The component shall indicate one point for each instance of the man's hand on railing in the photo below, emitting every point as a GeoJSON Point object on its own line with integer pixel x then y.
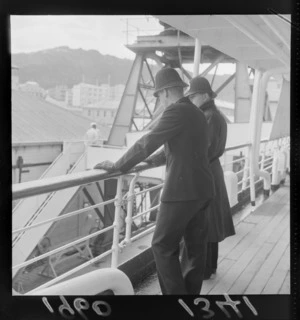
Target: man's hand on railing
{"type": "Point", "coordinates": [106, 165]}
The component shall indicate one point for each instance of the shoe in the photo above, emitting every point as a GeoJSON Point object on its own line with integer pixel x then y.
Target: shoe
{"type": "Point", "coordinates": [207, 275]}
{"type": "Point", "coordinates": [213, 273]}
{"type": "Point", "coordinates": [210, 274]}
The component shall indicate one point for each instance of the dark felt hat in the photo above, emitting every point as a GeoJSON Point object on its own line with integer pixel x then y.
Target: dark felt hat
{"type": "Point", "coordinates": [167, 78]}
{"type": "Point", "coordinates": [200, 85]}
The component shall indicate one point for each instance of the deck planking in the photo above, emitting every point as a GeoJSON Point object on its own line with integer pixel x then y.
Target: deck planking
{"type": "Point", "coordinates": [257, 259]}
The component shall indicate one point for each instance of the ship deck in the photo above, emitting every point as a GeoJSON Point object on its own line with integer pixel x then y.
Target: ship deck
{"type": "Point", "coordinates": [254, 261]}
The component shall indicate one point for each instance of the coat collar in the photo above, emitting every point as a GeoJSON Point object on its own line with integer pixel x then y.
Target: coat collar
{"type": "Point", "coordinates": [208, 105]}
{"type": "Point", "coordinates": [184, 99]}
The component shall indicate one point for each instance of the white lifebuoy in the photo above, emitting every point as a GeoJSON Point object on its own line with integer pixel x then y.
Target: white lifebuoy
{"type": "Point", "coordinates": [91, 283]}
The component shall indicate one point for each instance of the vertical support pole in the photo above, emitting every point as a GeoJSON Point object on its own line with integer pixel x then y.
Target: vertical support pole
{"type": "Point", "coordinates": [288, 154]}
{"type": "Point", "coordinates": [197, 57]}
{"type": "Point", "coordinates": [275, 173]}
{"type": "Point", "coordinates": [246, 170]}
{"type": "Point", "coordinates": [130, 203]}
{"type": "Point", "coordinates": [116, 236]}
{"type": "Point", "coordinates": [225, 161]}
{"type": "Point", "coordinates": [242, 93]}
{"type": "Point", "coordinates": [255, 139]}
{"type": "Point", "coordinates": [125, 114]}
{"type": "Point", "coordinates": [251, 178]}
{"type": "Point", "coordinates": [127, 31]}
{"type": "Point", "coordinates": [263, 156]}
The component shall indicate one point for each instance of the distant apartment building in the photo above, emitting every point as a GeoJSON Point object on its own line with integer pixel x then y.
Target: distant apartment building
{"type": "Point", "coordinates": [84, 94]}
{"type": "Point", "coordinates": [14, 77]}
{"type": "Point", "coordinates": [116, 92]}
{"type": "Point", "coordinates": [103, 112]}
{"type": "Point", "coordinates": [33, 88]}
{"type": "Point", "coordinates": [69, 98]}
{"type": "Point", "coordinates": [58, 92]}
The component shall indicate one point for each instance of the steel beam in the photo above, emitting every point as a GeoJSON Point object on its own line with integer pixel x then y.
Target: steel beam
{"type": "Point", "coordinates": [274, 27]}
{"type": "Point", "coordinates": [123, 119]}
{"type": "Point", "coordinates": [186, 73]}
{"type": "Point", "coordinates": [212, 65]}
{"type": "Point", "coordinates": [254, 32]}
{"type": "Point", "coordinates": [222, 86]}
{"type": "Point", "coordinates": [92, 202]}
{"type": "Point", "coordinates": [197, 57]}
{"type": "Point", "coordinates": [145, 102]}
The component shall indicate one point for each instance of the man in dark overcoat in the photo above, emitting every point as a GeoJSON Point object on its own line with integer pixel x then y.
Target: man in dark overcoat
{"type": "Point", "coordinates": [220, 217]}
{"type": "Point", "coordinates": [188, 187]}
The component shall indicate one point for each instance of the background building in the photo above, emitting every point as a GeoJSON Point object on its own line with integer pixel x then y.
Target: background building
{"type": "Point", "coordinates": [58, 93]}
{"type": "Point", "coordinates": [33, 88]}
{"type": "Point", "coordinates": [115, 93]}
{"type": "Point", "coordinates": [84, 94]}
{"type": "Point", "coordinates": [102, 112]}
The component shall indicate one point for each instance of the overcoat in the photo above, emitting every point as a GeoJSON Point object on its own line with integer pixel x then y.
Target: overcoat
{"type": "Point", "coordinates": [184, 132]}
{"type": "Point", "coordinates": [220, 217]}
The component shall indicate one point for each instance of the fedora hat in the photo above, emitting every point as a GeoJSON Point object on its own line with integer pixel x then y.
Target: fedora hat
{"type": "Point", "coordinates": [167, 78]}
{"type": "Point", "coordinates": [200, 85]}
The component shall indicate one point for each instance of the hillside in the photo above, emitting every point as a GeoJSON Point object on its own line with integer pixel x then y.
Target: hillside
{"type": "Point", "coordinates": [67, 66]}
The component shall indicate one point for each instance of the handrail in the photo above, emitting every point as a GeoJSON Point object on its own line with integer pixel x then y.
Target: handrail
{"type": "Point", "coordinates": [32, 188]}
{"type": "Point", "coordinates": [35, 143]}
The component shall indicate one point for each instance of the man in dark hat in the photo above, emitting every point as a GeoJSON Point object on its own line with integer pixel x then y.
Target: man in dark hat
{"type": "Point", "coordinates": [220, 218]}
{"type": "Point", "coordinates": [188, 186]}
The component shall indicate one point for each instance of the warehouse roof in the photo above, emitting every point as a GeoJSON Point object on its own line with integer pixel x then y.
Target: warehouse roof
{"type": "Point", "coordinates": [34, 119]}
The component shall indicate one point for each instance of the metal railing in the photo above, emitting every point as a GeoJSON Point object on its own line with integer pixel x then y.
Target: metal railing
{"type": "Point", "coordinates": [78, 179]}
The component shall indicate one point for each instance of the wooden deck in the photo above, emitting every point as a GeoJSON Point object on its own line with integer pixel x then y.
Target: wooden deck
{"type": "Point", "coordinates": [257, 259]}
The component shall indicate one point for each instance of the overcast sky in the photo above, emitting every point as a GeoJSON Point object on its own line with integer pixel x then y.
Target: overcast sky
{"type": "Point", "coordinates": [107, 34]}
{"type": "Point", "coordinates": [103, 33]}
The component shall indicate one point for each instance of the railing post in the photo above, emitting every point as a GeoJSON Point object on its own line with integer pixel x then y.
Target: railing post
{"type": "Point", "coordinates": [126, 30]}
{"type": "Point", "coordinates": [225, 161]}
{"type": "Point", "coordinates": [263, 157]}
{"type": "Point", "coordinates": [251, 178]}
{"type": "Point", "coordinates": [287, 150]}
{"type": "Point", "coordinates": [275, 173]}
{"type": "Point", "coordinates": [116, 236]}
{"type": "Point", "coordinates": [130, 201]}
{"type": "Point", "coordinates": [246, 170]}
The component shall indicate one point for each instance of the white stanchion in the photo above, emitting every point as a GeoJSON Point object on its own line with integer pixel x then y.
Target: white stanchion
{"type": "Point", "coordinates": [231, 182]}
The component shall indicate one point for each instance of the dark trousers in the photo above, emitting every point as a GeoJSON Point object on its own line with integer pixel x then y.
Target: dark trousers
{"type": "Point", "coordinates": [212, 256]}
{"type": "Point", "coordinates": [177, 220]}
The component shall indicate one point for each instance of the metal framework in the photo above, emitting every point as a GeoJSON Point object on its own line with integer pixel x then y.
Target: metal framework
{"type": "Point", "coordinates": [138, 109]}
